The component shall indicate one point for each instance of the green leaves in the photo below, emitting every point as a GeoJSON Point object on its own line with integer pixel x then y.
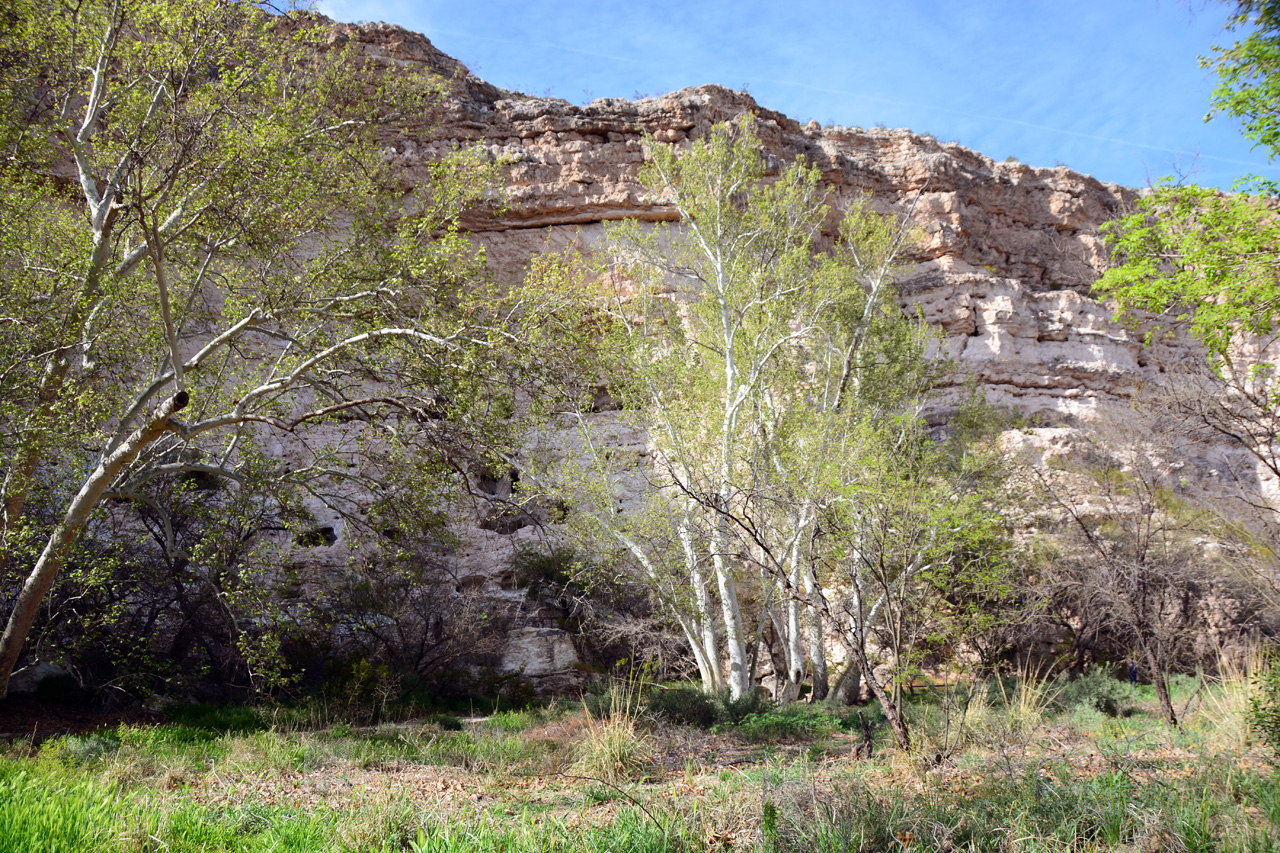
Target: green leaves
{"type": "Point", "coordinates": [234, 234]}
{"type": "Point", "coordinates": [1198, 258]}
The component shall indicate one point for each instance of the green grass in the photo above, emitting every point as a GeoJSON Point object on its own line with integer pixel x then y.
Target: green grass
{"type": "Point", "coordinates": [45, 812]}
{"type": "Point", "coordinates": [1035, 770]}
{"type": "Point", "coordinates": [633, 831]}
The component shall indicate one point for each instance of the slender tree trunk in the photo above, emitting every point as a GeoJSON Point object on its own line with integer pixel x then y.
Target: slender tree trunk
{"type": "Point", "coordinates": [817, 644]}
{"type": "Point", "coordinates": [795, 638]}
{"type": "Point", "coordinates": [1161, 684]}
{"type": "Point", "coordinates": [64, 536]}
{"type": "Point", "coordinates": [896, 721]}
{"type": "Point", "coordinates": [733, 635]}
{"type": "Point", "coordinates": [706, 615]}
{"type": "Point", "coordinates": [787, 688]}
{"type": "Point", "coordinates": [706, 668]}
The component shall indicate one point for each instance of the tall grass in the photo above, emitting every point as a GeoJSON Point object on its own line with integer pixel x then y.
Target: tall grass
{"type": "Point", "coordinates": [1227, 702]}
{"type": "Point", "coordinates": [633, 831]}
{"type": "Point", "coordinates": [613, 748]}
{"type": "Point", "coordinates": [39, 813]}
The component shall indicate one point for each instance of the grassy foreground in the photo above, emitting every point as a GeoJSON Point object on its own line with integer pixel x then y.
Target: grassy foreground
{"type": "Point", "coordinates": [1026, 767]}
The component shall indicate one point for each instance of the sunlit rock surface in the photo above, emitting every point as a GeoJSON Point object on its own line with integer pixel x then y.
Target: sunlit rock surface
{"type": "Point", "coordinates": [1004, 268]}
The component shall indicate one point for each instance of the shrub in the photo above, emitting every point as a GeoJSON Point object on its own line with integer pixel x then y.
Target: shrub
{"type": "Point", "coordinates": [1264, 703]}
{"type": "Point", "coordinates": [686, 706]}
{"type": "Point", "coordinates": [734, 711]}
{"type": "Point", "coordinates": [793, 721]}
{"type": "Point", "coordinates": [448, 723]}
{"type": "Point", "coordinates": [1095, 690]}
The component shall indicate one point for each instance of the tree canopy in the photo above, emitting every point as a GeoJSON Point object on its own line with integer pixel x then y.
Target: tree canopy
{"type": "Point", "coordinates": [202, 246]}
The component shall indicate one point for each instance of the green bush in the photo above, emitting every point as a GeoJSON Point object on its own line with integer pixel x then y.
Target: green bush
{"type": "Point", "coordinates": [753, 715]}
{"type": "Point", "coordinates": [792, 721]}
{"type": "Point", "coordinates": [1264, 703]}
{"type": "Point", "coordinates": [686, 706]}
{"type": "Point", "coordinates": [691, 706]}
{"type": "Point", "coordinates": [1097, 691]}
{"type": "Point", "coordinates": [734, 711]}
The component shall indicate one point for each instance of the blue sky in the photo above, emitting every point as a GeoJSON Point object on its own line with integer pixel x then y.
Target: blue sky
{"type": "Point", "coordinates": [1109, 87]}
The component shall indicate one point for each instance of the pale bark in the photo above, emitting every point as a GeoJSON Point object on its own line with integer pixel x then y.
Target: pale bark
{"type": "Point", "coordinates": [817, 642]}
{"type": "Point", "coordinates": [732, 613]}
{"type": "Point", "coordinates": [794, 640]}
{"type": "Point", "coordinates": [712, 680]}
{"type": "Point", "coordinates": [65, 535]}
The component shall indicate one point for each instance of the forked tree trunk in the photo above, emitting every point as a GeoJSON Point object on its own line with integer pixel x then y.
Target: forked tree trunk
{"type": "Point", "coordinates": [896, 721]}
{"type": "Point", "coordinates": [64, 536]}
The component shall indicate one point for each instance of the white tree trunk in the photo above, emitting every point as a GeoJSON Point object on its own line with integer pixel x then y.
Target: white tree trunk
{"type": "Point", "coordinates": [38, 583]}
{"type": "Point", "coordinates": [712, 679]}
{"type": "Point", "coordinates": [794, 640]}
{"type": "Point", "coordinates": [817, 643]}
{"type": "Point", "coordinates": [732, 620]}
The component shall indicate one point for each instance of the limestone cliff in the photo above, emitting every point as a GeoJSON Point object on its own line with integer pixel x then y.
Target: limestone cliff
{"type": "Point", "coordinates": [1005, 269]}
{"type": "Point", "coordinates": [1009, 255]}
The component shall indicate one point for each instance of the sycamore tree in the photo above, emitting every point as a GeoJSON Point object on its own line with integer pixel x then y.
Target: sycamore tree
{"type": "Point", "coordinates": [718, 315]}
{"type": "Point", "coordinates": [749, 369]}
{"type": "Point", "coordinates": [699, 319]}
{"type": "Point", "coordinates": [204, 250]}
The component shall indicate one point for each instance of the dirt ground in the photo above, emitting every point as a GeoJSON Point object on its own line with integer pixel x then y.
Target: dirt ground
{"type": "Point", "coordinates": [25, 716]}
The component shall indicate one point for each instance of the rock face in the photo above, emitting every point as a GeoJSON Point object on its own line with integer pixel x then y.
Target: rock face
{"type": "Point", "coordinates": [1007, 261]}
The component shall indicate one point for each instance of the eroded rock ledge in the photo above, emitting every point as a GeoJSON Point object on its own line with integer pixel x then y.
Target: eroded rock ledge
{"type": "Point", "coordinates": [1009, 254]}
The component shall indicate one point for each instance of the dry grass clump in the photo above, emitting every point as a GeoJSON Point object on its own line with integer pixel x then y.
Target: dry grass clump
{"type": "Point", "coordinates": [613, 748]}
{"type": "Point", "coordinates": [1226, 704]}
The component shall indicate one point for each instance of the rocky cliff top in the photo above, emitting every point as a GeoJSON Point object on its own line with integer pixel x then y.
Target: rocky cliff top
{"type": "Point", "coordinates": [1009, 254]}
{"type": "Point", "coordinates": [576, 165]}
